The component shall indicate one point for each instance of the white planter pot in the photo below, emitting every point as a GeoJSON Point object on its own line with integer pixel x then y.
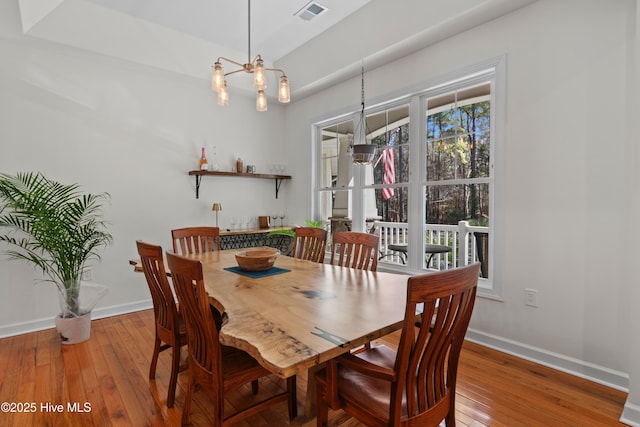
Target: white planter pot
{"type": "Point", "coordinates": [74, 330]}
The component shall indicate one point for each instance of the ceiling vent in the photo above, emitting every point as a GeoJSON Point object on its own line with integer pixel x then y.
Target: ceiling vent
{"type": "Point", "coordinates": [311, 11]}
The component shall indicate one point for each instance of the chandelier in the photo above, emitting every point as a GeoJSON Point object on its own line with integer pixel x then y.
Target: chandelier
{"type": "Point", "coordinates": [255, 67]}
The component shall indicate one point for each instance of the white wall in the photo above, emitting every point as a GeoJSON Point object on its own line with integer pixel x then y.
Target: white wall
{"type": "Point", "coordinates": [132, 131]}
{"type": "Point", "coordinates": [631, 412]}
{"type": "Point", "coordinates": [562, 184]}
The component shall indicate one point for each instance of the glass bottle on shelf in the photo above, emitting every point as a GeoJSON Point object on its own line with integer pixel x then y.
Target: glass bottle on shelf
{"type": "Point", "coordinates": [239, 165]}
{"type": "Point", "coordinates": [214, 160]}
{"type": "Point", "coordinates": [204, 165]}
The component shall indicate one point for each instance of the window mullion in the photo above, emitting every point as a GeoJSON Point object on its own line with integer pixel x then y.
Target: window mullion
{"type": "Point", "coordinates": [357, 223]}
{"type": "Point", "coordinates": [417, 166]}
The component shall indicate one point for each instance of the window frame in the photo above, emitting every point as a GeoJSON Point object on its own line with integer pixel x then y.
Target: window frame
{"type": "Point", "coordinates": [492, 70]}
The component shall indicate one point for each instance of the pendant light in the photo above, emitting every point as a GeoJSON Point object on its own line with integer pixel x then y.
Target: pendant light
{"type": "Point", "coordinates": [255, 67]}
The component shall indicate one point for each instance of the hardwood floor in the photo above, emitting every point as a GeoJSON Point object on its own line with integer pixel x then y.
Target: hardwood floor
{"type": "Point", "coordinates": [107, 378]}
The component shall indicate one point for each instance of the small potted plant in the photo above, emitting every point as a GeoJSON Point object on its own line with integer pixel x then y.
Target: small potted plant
{"type": "Point", "coordinates": [58, 229]}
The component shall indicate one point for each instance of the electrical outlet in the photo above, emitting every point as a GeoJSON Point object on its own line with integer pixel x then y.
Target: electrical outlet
{"type": "Point", "coordinates": [531, 297]}
{"type": "Point", "coordinates": [87, 275]}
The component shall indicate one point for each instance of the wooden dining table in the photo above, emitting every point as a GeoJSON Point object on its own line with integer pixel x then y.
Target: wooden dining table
{"type": "Point", "coordinates": [300, 318]}
{"type": "Point", "coordinates": [305, 316]}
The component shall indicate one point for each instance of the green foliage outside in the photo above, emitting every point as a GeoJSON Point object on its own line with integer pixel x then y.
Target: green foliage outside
{"type": "Point", "coordinates": [292, 233]}
{"type": "Point", "coordinates": [457, 148]}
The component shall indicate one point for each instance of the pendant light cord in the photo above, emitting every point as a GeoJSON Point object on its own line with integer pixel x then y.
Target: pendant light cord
{"type": "Point", "coordinates": [362, 91]}
{"type": "Point", "coordinates": [249, 31]}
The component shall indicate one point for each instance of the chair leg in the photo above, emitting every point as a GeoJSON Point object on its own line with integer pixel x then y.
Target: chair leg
{"type": "Point", "coordinates": [293, 401]}
{"type": "Point", "coordinates": [186, 407]}
{"type": "Point", "coordinates": [154, 358]}
{"type": "Point", "coordinates": [254, 386]}
{"type": "Point", "coordinates": [175, 368]}
{"type": "Point", "coordinates": [450, 420]}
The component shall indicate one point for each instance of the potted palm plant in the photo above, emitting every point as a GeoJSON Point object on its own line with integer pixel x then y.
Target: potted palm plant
{"type": "Point", "coordinates": [58, 229]}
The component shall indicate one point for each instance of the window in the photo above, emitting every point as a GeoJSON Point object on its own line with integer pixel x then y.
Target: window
{"type": "Point", "coordinates": [432, 176]}
{"type": "Point", "coordinates": [336, 179]}
{"type": "Point", "coordinates": [457, 173]}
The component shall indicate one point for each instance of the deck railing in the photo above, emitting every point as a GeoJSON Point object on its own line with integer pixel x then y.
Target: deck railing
{"type": "Point", "coordinates": [462, 239]}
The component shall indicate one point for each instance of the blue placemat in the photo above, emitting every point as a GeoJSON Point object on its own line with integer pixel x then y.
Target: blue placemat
{"type": "Point", "coordinates": [258, 274]}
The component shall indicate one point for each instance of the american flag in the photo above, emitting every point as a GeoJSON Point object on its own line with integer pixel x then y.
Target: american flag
{"type": "Point", "coordinates": [389, 168]}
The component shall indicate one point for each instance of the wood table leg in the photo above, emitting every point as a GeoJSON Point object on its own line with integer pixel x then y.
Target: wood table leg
{"type": "Point", "coordinates": [310, 398]}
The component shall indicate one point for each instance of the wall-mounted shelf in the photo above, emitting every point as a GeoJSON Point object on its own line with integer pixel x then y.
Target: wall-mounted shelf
{"type": "Point", "coordinates": [199, 174]}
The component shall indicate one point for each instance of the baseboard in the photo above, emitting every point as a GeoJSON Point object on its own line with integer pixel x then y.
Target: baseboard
{"type": "Point", "coordinates": [115, 310]}
{"type": "Point", "coordinates": [599, 374]}
{"type": "Point", "coordinates": [631, 414]}
{"type": "Point", "coordinates": [48, 323]}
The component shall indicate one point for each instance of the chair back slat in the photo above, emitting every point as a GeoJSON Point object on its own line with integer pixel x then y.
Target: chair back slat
{"type": "Point", "coordinates": [195, 240]}
{"type": "Point", "coordinates": [309, 243]}
{"type": "Point", "coordinates": [355, 250]}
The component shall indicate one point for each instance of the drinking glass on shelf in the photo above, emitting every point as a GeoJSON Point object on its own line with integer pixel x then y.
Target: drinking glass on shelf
{"type": "Point", "coordinates": [234, 221]}
{"type": "Point", "coordinates": [274, 216]}
{"type": "Point", "coordinates": [281, 215]}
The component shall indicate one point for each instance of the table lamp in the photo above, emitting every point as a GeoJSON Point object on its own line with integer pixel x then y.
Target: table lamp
{"type": "Point", "coordinates": [216, 207]}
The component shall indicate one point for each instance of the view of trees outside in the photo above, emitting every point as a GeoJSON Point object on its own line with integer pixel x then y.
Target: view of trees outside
{"type": "Point", "coordinates": [457, 153]}
{"type": "Point", "coordinates": [458, 149]}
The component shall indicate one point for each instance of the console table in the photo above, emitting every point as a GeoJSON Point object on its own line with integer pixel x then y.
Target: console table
{"type": "Point", "coordinates": [238, 239]}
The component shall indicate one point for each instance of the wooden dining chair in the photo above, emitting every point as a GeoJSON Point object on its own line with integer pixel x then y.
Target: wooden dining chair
{"type": "Point", "coordinates": [212, 366]}
{"type": "Point", "coordinates": [415, 386]}
{"type": "Point", "coordinates": [309, 243]}
{"type": "Point", "coordinates": [354, 249]}
{"type": "Point", "coordinates": [195, 240]}
{"type": "Point", "coordinates": [170, 328]}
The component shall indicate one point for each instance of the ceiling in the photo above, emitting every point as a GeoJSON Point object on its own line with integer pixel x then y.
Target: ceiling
{"type": "Point", "coordinates": [187, 36]}
{"type": "Point", "coordinates": [275, 30]}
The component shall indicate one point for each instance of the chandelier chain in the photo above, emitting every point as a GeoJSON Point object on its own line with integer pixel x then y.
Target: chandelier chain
{"type": "Point", "coordinates": [248, 31]}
